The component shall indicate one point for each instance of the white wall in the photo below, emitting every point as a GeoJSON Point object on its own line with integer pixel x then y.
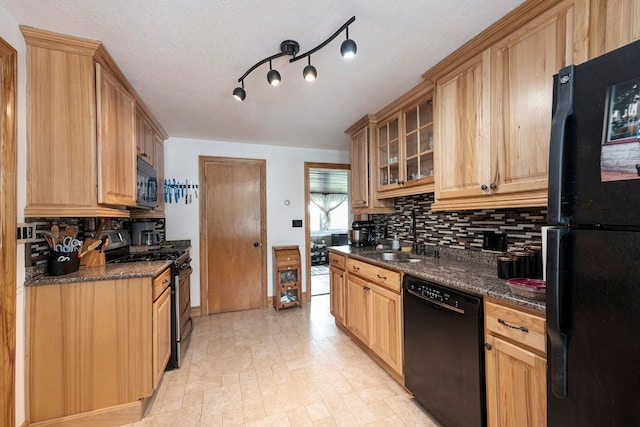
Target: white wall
{"type": "Point", "coordinates": [10, 32]}
{"type": "Point", "coordinates": [285, 181]}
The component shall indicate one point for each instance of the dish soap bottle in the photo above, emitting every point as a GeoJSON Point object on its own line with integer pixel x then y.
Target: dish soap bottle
{"type": "Point", "coordinates": [396, 243]}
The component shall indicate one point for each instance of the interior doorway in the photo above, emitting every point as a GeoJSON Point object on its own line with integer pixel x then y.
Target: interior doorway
{"type": "Point", "coordinates": [327, 219]}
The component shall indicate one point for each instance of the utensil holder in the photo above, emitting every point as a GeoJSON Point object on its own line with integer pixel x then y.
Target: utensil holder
{"type": "Point", "coordinates": [61, 263]}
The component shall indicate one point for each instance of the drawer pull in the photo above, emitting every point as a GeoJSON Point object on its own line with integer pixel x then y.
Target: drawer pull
{"type": "Point", "coordinates": [356, 268]}
{"type": "Point", "coordinates": [381, 277]}
{"type": "Point", "coordinates": [366, 288]}
{"type": "Point", "coordinates": [521, 328]}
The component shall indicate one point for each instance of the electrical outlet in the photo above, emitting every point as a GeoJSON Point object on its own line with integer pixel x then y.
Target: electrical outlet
{"type": "Point", "coordinates": [494, 241]}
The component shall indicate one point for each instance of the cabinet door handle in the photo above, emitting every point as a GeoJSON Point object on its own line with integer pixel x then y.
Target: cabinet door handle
{"type": "Point", "coordinates": [366, 288]}
{"type": "Point", "coordinates": [401, 182]}
{"type": "Point", "coordinates": [483, 187]}
{"type": "Point", "coordinates": [488, 346]}
{"type": "Point", "coordinates": [381, 277]}
{"type": "Point", "coordinates": [508, 325]}
{"type": "Point", "coordinates": [493, 186]}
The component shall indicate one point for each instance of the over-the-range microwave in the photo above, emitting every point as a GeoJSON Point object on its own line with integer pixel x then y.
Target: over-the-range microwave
{"type": "Point", "coordinates": [147, 194]}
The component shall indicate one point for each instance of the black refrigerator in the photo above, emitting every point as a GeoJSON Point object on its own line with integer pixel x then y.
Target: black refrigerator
{"type": "Point", "coordinates": [593, 253]}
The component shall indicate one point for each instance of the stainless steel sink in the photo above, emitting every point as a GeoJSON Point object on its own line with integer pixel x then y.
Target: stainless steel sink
{"type": "Point", "coordinates": [393, 256]}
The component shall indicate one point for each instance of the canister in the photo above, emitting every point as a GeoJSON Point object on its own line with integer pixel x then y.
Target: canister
{"type": "Point", "coordinates": [506, 266]}
{"type": "Point", "coordinates": [524, 263]}
{"type": "Point", "coordinates": [536, 265]}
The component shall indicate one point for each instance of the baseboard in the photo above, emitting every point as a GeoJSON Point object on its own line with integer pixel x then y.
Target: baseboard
{"type": "Point", "coordinates": [108, 417]}
{"type": "Point", "coordinates": [196, 311]}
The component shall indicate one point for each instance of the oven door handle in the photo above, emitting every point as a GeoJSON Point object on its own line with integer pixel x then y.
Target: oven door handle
{"type": "Point", "coordinates": [438, 303]}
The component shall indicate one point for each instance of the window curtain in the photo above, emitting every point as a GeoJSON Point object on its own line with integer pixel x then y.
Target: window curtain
{"type": "Point", "coordinates": [327, 203]}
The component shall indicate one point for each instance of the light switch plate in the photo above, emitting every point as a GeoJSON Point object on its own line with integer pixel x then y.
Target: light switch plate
{"type": "Point", "coordinates": [296, 223]}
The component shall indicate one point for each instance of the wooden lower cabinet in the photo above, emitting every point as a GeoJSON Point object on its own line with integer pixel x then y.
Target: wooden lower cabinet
{"type": "Point", "coordinates": [337, 293]}
{"type": "Point", "coordinates": [95, 350]}
{"type": "Point", "coordinates": [161, 335]}
{"type": "Point", "coordinates": [515, 363]}
{"type": "Point", "coordinates": [358, 308]}
{"type": "Point", "coordinates": [374, 317]}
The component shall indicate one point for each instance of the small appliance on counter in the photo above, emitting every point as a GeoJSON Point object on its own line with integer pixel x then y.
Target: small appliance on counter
{"type": "Point", "coordinates": [144, 233]}
{"type": "Point", "coordinates": [362, 233]}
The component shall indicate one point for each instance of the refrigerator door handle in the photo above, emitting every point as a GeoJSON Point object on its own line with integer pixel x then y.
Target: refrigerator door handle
{"type": "Point", "coordinates": [557, 327]}
{"type": "Point", "coordinates": [563, 111]}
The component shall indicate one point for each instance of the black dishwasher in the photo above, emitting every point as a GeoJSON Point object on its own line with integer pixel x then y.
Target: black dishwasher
{"type": "Point", "coordinates": [443, 352]}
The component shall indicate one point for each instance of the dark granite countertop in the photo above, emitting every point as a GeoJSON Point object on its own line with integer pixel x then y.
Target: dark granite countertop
{"type": "Point", "coordinates": [471, 275]}
{"type": "Point", "coordinates": [123, 270]}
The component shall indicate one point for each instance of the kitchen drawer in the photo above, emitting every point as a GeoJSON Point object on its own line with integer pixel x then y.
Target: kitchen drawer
{"type": "Point", "coordinates": [378, 275]}
{"type": "Point", "coordinates": [521, 327]}
{"type": "Point", "coordinates": [337, 260]}
{"type": "Point", "coordinates": [161, 282]}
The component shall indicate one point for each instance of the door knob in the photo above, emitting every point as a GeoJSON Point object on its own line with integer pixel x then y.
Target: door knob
{"type": "Point", "coordinates": [256, 244]}
{"type": "Point", "coordinates": [488, 346]}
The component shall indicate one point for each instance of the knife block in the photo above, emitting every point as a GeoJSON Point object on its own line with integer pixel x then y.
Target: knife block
{"type": "Point", "coordinates": [92, 258]}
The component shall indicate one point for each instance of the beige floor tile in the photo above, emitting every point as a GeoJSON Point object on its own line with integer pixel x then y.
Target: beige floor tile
{"type": "Point", "coordinates": [293, 368]}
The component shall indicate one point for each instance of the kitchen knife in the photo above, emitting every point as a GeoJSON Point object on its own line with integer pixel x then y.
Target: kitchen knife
{"type": "Point", "coordinates": [93, 244]}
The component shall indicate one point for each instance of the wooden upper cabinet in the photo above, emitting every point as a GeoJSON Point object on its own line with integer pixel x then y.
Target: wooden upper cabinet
{"type": "Point", "coordinates": [463, 138]}
{"type": "Point", "coordinates": [523, 65]}
{"type": "Point", "coordinates": [614, 23]}
{"type": "Point", "coordinates": [494, 117]}
{"type": "Point", "coordinates": [81, 129]}
{"type": "Point", "coordinates": [145, 140]}
{"type": "Point", "coordinates": [116, 141]}
{"type": "Point", "coordinates": [405, 144]}
{"type": "Point", "coordinates": [363, 163]}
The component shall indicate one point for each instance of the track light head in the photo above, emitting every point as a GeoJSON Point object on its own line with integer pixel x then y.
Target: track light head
{"type": "Point", "coordinates": [239, 94]}
{"type": "Point", "coordinates": [348, 49]}
{"type": "Point", "coordinates": [309, 73]}
{"type": "Point", "coordinates": [273, 77]}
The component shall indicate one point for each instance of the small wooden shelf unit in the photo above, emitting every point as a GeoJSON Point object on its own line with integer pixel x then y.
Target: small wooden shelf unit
{"type": "Point", "coordinates": [286, 277]}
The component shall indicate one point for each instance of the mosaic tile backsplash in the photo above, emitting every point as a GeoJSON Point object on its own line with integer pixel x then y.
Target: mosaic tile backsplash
{"type": "Point", "coordinates": [459, 229]}
{"type": "Point", "coordinates": [36, 252]}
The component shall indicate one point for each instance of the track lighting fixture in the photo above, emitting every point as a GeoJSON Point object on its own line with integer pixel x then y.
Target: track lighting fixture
{"type": "Point", "coordinates": [290, 47]}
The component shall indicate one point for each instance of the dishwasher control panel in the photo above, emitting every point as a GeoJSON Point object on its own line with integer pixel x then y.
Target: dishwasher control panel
{"type": "Point", "coordinates": [443, 296]}
{"type": "Point", "coordinates": [434, 293]}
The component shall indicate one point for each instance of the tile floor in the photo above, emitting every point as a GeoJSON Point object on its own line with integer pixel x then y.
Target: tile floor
{"type": "Point", "coordinates": [291, 368]}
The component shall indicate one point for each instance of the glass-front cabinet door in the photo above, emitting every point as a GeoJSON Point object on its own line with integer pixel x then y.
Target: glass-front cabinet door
{"type": "Point", "coordinates": [418, 158]}
{"type": "Point", "coordinates": [389, 154]}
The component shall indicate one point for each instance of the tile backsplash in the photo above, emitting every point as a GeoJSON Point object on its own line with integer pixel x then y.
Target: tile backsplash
{"type": "Point", "coordinates": [459, 229]}
{"type": "Point", "coordinates": [36, 252]}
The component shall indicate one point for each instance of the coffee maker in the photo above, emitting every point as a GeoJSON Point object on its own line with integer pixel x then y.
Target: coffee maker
{"type": "Point", "coordinates": [363, 233]}
{"type": "Point", "coordinates": [144, 233]}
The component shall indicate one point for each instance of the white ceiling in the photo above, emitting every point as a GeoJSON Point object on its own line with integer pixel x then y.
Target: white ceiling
{"type": "Point", "coordinates": [184, 58]}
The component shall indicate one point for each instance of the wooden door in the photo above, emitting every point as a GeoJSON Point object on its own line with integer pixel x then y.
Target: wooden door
{"type": "Point", "coordinates": [386, 326]}
{"type": "Point", "coordinates": [357, 308]}
{"type": "Point", "coordinates": [336, 293]}
{"type": "Point", "coordinates": [359, 165]}
{"type": "Point", "coordinates": [116, 141]}
{"type": "Point", "coordinates": [8, 245]}
{"type": "Point", "coordinates": [523, 64]}
{"type": "Point", "coordinates": [462, 155]}
{"type": "Point", "coordinates": [516, 385]}
{"type": "Point", "coordinates": [232, 234]}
